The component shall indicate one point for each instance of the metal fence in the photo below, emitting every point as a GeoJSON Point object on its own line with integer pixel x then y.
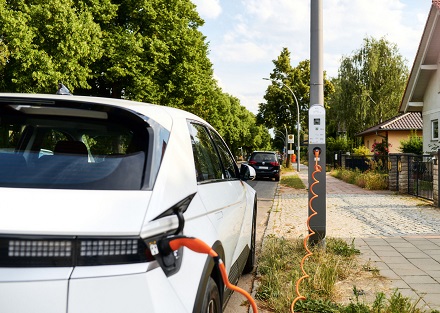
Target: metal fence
{"type": "Point", "coordinates": [417, 171]}
{"type": "Point", "coordinates": [367, 162]}
{"type": "Point", "coordinates": [420, 176]}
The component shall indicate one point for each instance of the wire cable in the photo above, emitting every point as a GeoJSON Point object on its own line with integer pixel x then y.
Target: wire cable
{"type": "Point", "coordinates": [317, 169]}
{"type": "Point", "coordinates": [199, 246]}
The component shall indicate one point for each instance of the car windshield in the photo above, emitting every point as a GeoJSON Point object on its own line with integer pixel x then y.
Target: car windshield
{"type": "Point", "coordinates": [71, 152]}
{"type": "Point", "coordinates": [264, 157]}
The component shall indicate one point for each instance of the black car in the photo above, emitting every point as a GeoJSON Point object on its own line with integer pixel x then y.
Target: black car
{"type": "Point", "coordinates": [265, 164]}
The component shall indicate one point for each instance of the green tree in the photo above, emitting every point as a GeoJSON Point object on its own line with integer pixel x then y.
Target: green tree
{"type": "Point", "coordinates": [237, 126]}
{"type": "Point", "coordinates": [368, 88]}
{"type": "Point", "coordinates": [44, 42]}
{"type": "Point", "coordinates": [154, 53]}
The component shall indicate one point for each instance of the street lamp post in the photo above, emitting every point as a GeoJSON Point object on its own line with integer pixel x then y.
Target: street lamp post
{"type": "Point", "coordinates": [298, 147]}
{"type": "Point", "coordinates": [284, 137]}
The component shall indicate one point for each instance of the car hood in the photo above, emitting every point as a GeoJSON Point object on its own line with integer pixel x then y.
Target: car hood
{"type": "Point", "coordinates": [72, 212]}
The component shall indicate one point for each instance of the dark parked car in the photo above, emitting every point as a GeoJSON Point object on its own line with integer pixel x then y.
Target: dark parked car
{"type": "Point", "coordinates": [265, 164]}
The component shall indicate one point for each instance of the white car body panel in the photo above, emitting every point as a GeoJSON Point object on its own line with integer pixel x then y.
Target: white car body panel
{"type": "Point", "coordinates": [72, 212]}
{"type": "Point", "coordinates": [178, 176]}
{"type": "Point", "coordinates": [225, 212]}
{"type": "Point", "coordinates": [112, 270]}
{"type": "Point", "coordinates": [34, 296]}
{"type": "Point", "coordinates": [14, 274]}
{"type": "Point", "coordinates": [247, 195]}
{"type": "Point", "coordinates": [186, 281]}
{"type": "Point", "coordinates": [141, 293]}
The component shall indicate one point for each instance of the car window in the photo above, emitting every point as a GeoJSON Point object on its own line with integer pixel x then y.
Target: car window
{"type": "Point", "coordinates": [206, 161]}
{"type": "Point", "coordinates": [226, 158]}
{"type": "Point", "coordinates": [57, 152]}
{"type": "Point", "coordinates": [264, 157]}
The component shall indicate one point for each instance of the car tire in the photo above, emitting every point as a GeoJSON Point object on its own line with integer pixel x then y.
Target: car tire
{"type": "Point", "coordinates": [277, 178]}
{"type": "Point", "coordinates": [211, 299]}
{"type": "Point", "coordinates": [250, 262]}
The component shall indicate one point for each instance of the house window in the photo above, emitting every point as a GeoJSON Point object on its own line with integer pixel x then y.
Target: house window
{"type": "Point", "coordinates": [434, 130]}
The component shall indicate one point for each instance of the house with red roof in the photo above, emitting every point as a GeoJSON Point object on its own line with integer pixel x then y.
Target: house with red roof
{"type": "Point", "coordinates": [422, 93]}
{"type": "Point", "coordinates": [393, 131]}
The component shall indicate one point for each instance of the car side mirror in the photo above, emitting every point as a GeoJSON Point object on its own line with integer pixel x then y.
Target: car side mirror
{"type": "Point", "coordinates": [247, 172]}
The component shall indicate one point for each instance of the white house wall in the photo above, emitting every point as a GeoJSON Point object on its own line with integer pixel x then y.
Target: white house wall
{"type": "Point", "coordinates": [431, 111]}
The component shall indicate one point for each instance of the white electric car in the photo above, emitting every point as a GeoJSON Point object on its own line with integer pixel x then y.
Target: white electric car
{"type": "Point", "coordinates": [90, 188]}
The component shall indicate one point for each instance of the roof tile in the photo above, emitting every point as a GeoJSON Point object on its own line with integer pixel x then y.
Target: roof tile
{"type": "Point", "coordinates": [405, 121]}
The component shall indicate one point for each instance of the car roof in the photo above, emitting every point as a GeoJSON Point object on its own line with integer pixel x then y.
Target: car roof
{"type": "Point", "coordinates": [160, 114]}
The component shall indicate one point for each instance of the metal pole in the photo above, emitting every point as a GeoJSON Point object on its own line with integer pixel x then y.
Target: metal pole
{"type": "Point", "coordinates": [297, 125]}
{"type": "Point", "coordinates": [287, 149]}
{"type": "Point", "coordinates": [318, 222]}
{"type": "Point", "coordinates": [316, 54]}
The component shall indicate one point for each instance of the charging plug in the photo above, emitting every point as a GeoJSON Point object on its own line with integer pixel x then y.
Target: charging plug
{"type": "Point", "coordinates": [168, 258]}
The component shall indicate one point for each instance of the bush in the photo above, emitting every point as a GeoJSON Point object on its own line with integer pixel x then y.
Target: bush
{"type": "Point", "coordinates": [369, 180]}
{"type": "Point", "coordinates": [361, 180]}
{"type": "Point", "coordinates": [362, 150]}
{"type": "Point", "coordinates": [376, 181]}
{"type": "Point", "coordinates": [414, 144]}
{"type": "Point", "coordinates": [380, 148]}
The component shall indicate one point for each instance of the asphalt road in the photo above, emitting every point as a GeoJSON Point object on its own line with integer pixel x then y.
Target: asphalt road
{"type": "Point", "coordinates": [265, 194]}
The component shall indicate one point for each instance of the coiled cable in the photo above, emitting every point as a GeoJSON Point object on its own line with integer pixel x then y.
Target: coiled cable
{"type": "Point", "coordinates": [317, 169]}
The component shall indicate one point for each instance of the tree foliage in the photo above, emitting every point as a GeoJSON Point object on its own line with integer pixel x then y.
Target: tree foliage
{"type": "Point", "coordinates": [341, 143]}
{"type": "Point", "coordinates": [44, 42]}
{"type": "Point", "coordinates": [144, 50]}
{"type": "Point", "coordinates": [368, 88]}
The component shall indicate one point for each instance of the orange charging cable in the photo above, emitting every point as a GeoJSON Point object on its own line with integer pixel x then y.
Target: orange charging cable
{"type": "Point", "coordinates": [318, 169]}
{"type": "Point", "coordinates": [199, 246]}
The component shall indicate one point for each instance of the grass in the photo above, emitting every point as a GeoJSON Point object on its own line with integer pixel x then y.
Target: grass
{"type": "Point", "coordinates": [279, 270]}
{"type": "Point", "coordinates": [291, 180]}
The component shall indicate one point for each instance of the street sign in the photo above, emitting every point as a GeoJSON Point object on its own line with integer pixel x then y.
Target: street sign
{"type": "Point", "coordinates": [290, 151]}
{"type": "Point", "coordinates": [290, 139]}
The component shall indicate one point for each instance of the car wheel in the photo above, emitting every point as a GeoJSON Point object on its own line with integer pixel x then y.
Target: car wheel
{"type": "Point", "coordinates": [250, 262]}
{"type": "Point", "coordinates": [211, 299]}
{"type": "Point", "coordinates": [277, 178]}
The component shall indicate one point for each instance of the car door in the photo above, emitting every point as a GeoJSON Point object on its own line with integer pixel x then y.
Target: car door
{"type": "Point", "coordinates": [218, 187]}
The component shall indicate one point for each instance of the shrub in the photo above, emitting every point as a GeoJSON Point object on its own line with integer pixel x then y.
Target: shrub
{"type": "Point", "coordinates": [361, 180]}
{"type": "Point", "coordinates": [348, 176]}
{"type": "Point", "coordinates": [369, 180]}
{"type": "Point", "coordinates": [376, 181]}
{"type": "Point", "coordinates": [362, 150]}
{"type": "Point", "coordinates": [414, 144]}
{"type": "Point", "coordinates": [380, 148]}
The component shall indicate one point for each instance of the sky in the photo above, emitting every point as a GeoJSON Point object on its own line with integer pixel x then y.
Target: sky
{"type": "Point", "coordinates": [245, 36]}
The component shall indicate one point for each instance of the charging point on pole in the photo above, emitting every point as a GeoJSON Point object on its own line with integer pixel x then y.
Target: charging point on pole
{"type": "Point", "coordinates": [317, 145]}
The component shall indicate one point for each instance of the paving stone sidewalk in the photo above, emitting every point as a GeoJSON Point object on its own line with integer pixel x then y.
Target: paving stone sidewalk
{"type": "Point", "coordinates": [400, 234]}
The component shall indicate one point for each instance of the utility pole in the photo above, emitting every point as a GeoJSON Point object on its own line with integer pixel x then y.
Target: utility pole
{"type": "Point", "coordinates": [317, 127]}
